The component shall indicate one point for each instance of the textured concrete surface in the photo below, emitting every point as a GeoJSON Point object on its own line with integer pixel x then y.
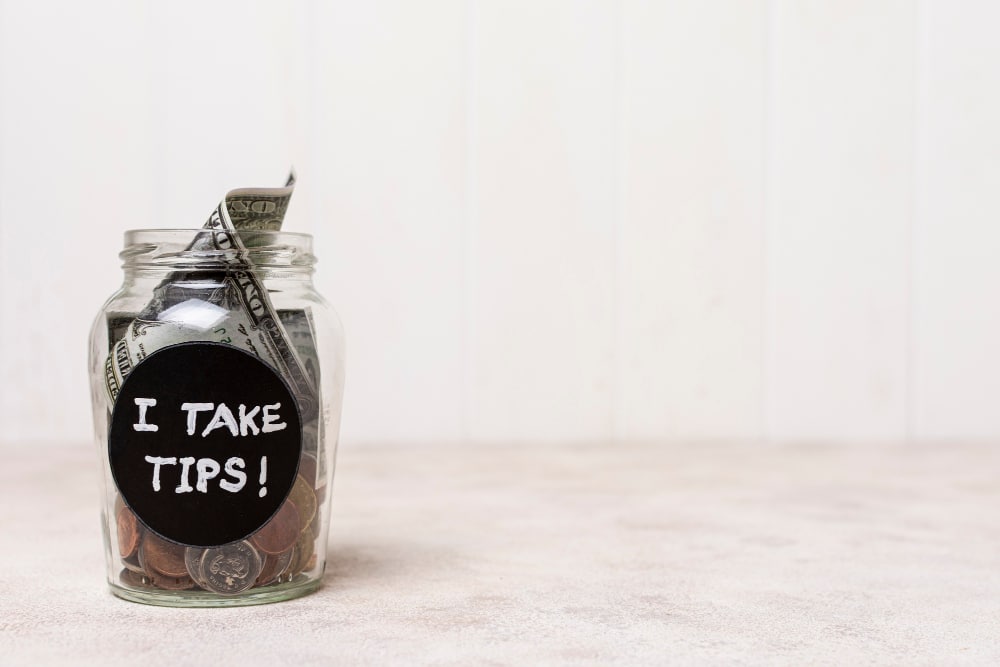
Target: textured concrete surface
{"type": "Point", "coordinates": [603, 555]}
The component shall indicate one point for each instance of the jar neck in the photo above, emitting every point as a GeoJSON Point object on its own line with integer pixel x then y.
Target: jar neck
{"type": "Point", "coordinates": [187, 274]}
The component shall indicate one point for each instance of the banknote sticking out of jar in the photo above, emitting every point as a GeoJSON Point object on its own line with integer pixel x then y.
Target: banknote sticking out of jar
{"type": "Point", "coordinates": [217, 377]}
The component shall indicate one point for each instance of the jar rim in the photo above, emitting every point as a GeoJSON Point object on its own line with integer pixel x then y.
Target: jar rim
{"type": "Point", "coordinates": [171, 231]}
{"type": "Point", "coordinates": [197, 248]}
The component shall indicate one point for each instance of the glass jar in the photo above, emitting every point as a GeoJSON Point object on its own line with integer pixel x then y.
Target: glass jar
{"type": "Point", "coordinates": [216, 377]}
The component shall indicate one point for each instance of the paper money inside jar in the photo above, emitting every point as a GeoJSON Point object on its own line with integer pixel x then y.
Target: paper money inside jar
{"type": "Point", "coordinates": [216, 378]}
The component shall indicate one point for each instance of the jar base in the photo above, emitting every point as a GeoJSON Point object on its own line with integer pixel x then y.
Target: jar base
{"type": "Point", "coordinates": [161, 598]}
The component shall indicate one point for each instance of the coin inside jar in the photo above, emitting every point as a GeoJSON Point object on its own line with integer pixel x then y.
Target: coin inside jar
{"type": "Point", "coordinates": [192, 560]}
{"type": "Point", "coordinates": [307, 469]}
{"type": "Point", "coordinates": [231, 568]}
{"type": "Point", "coordinates": [304, 549]}
{"type": "Point", "coordinates": [315, 526]}
{"type": "Point", "coordinates": [172, 583]}
{"type": "Point", "coordinates": [311, 563]}
{"type": "Point", "coordinates": [274, 567]}
{"type": "Point", "coordinates": [279, 534]}
{"type": "Point", "coordinates": [305, 501]}
{"type": "Point", "coordinates": [128, 532]}
{"type": "Point", "coordinates": [132, 563]}
{"type": "Point", "coordinates": [156, 555]}
{"type": "Point", "coordinates": [134, 579]}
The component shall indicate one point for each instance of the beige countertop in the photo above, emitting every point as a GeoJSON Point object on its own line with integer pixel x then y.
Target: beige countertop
{"type": "Point", "coordinates": [698, 553]}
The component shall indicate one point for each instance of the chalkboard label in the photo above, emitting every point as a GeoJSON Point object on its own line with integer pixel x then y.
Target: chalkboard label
{"type": "Point", "coordinates": [204, 443]}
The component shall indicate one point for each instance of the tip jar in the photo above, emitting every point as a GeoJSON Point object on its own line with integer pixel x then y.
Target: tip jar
{"type": "Point", "coordinates": [216, 378]}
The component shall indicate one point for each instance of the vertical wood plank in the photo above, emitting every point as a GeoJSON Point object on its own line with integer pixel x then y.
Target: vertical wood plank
{"type": "Point", "coordinates": [956, 314]}
{"type": "Point", "coordinates": [541, 254]}
{"type": "Point", "coordinates": [690, 259]}
{"type": "Point", "coordinates": [839, 205]}
{"type": "Point", "coordinates": [390, 134]}
{"type": "Point", "coordinates": [75, 155]}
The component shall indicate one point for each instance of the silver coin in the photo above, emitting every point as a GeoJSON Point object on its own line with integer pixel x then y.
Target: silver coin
{"type": "Point", "coordinates": [274, 567]}
{"type": "Point", "coordinates": [192, 560]}
{"type": "Point", "coordinates": [231, 568]}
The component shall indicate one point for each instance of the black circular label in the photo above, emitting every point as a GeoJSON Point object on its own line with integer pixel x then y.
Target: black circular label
{"type": "Point", "coordinates": [204, 443]}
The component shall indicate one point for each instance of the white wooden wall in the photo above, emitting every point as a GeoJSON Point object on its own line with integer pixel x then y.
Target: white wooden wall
{"type": "Point", "coordinates": [541, 220]}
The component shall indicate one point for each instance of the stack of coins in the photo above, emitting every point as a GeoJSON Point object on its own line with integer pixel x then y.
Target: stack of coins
{"type": "Point", "coordinates": [279, 551]}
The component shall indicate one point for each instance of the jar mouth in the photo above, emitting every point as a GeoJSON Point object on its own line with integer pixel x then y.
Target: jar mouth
{"type": "Point", "coordinates": [191, 249]}
{"type": "Point", "coordinates": [164, 232]}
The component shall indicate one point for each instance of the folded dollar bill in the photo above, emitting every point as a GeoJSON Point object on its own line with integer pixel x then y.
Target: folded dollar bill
{"type": "Point", "coordinates": [235, 310]}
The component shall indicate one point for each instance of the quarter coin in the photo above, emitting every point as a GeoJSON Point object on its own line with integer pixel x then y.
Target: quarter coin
{"type": "Point", "coordinates": [231, 568]}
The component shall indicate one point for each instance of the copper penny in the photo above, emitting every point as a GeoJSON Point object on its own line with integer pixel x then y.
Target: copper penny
{"type": "Point", "coordinates": [307, 468]}
{"type": "Point", "coordinates": [128, 532]}
{"type": "Point", "coordinates": [279, 534]}
{"type": "Point", "coordinates": [289, 573]}
{"type": "Point", "coordinates": [305, 501]}
{"type": "Point", "coordinates": [169, 583]}
{"type": "Point", "coordinates": [315, 525]}
{"type": "Point", "coordinates": [304, 550]}
{"type": "Point", "coordinates": [132, 579]}
{"type": "Point", "coordinates": [158, 556]}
